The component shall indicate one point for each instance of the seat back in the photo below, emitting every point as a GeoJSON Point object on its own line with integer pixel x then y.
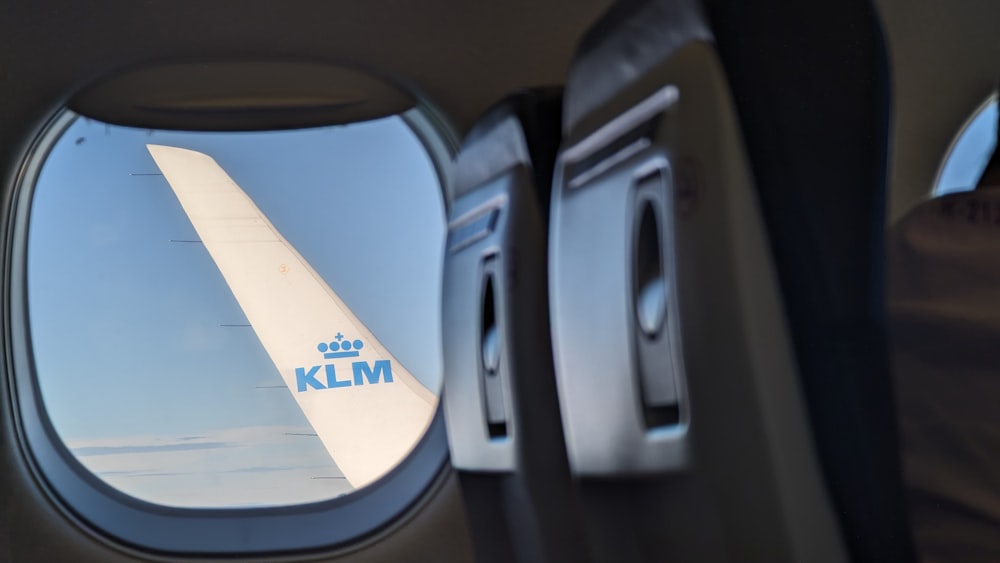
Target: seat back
{"type": "Point", "coordinates": [811, 84]}
{"type": "Point", "coordinates": [677, 377]}
{"type": "Point", "coordinates": [500, 402]}
{"type": "Point", "coordinates": [944, 315]}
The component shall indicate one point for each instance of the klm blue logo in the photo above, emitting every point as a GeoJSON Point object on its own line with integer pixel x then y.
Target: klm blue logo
{"type": "Point", "coordinates": [362, 373]}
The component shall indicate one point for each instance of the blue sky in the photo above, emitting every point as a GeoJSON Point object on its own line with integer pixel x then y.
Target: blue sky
{"type": "Point", "coordinates": [126, 324]}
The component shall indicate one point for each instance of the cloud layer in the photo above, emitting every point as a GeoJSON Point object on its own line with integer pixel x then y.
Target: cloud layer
{"type": "Point", "coordinates": [238, 467]}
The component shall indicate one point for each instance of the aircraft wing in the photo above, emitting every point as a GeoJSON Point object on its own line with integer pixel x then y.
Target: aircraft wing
{"type": "Point", "coordinates": [365, 407]}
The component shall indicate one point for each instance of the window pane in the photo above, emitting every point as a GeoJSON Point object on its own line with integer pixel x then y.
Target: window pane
{"type": "Point", "coordinates": [213, 314]}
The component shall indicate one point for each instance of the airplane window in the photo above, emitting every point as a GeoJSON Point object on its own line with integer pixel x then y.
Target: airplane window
{"type": "Point", "coordinates": [969, 152]}
{"type": "Point", "coordinates": [237, 319]}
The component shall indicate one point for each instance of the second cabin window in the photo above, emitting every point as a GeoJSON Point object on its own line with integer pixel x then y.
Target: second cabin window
{"type": "Point", "coordinates": [971, 150]}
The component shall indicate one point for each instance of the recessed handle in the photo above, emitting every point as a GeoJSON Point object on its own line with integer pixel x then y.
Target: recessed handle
{"type": "Point", "coordinates": [490, 346]}
{"type": "Point", "coordinates": [651, 286]}
{"type": "Point", "coordinates": [650, 289]}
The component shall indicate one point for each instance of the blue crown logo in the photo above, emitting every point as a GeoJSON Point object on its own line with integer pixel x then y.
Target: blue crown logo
{"type": "Point", "coordinates": [340, 347]}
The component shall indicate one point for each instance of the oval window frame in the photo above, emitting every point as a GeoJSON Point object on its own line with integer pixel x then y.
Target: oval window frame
{"type": "Point", "coordinates": [122, 519]}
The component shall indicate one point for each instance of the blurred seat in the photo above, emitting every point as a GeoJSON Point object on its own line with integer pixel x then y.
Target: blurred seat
{"type": "Point", "coordinates": [944, 310]}
{"type": "Point", "coordinates": [678, 379]}
{"type": "Point", "coordinates": [500, 402]}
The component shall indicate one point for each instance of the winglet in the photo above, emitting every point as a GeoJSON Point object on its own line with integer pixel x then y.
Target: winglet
{"type": "Point", "coordinates": [368, 410]}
